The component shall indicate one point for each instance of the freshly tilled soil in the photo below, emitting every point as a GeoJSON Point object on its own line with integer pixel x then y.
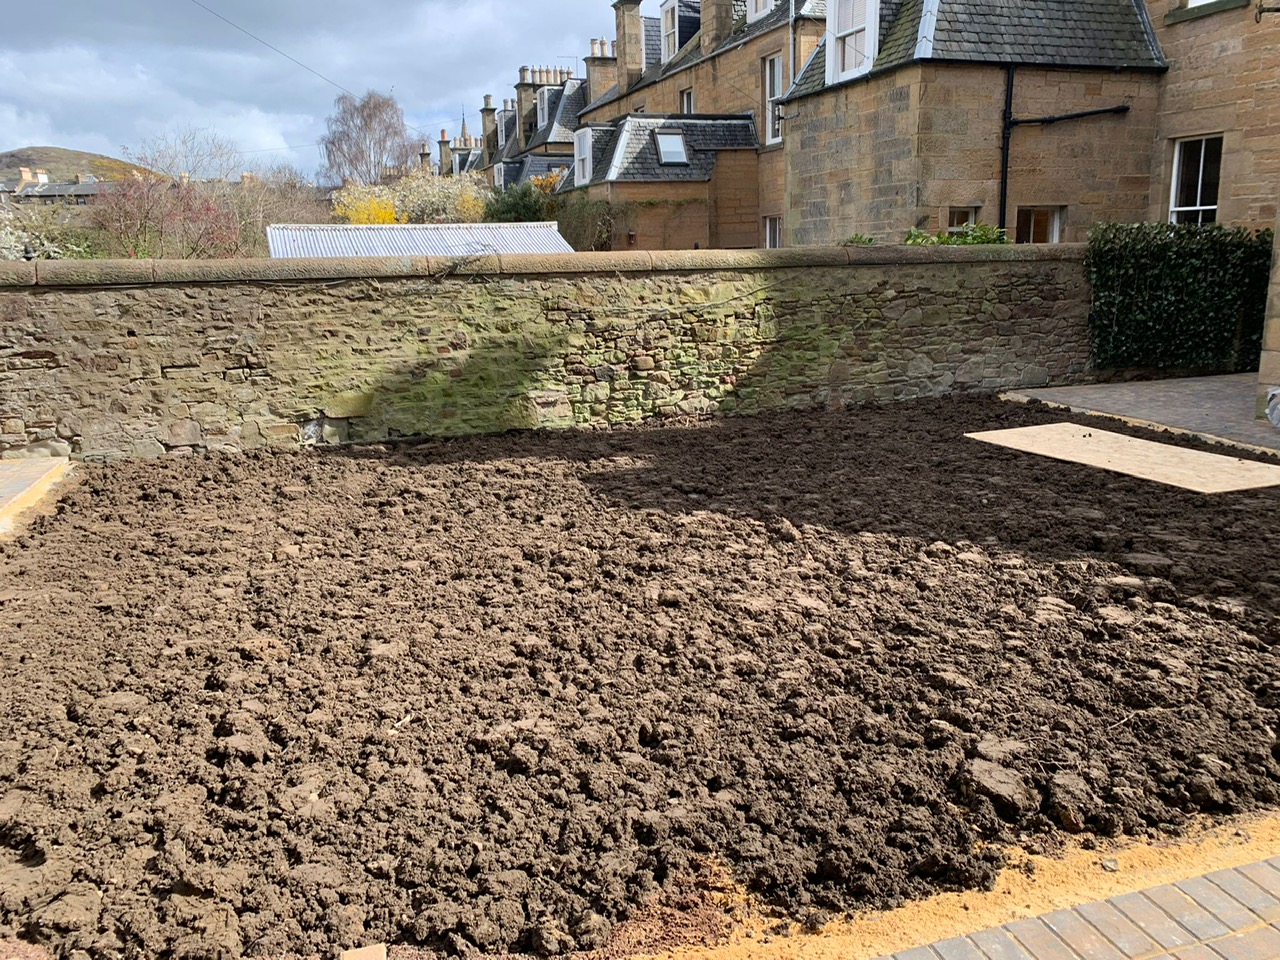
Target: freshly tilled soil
{"type": "Point", "coordinates": [497, 693]}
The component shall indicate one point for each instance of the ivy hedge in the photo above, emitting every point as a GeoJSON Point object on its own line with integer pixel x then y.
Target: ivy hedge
{"type": "Point", "coordinates": [1178, 296]}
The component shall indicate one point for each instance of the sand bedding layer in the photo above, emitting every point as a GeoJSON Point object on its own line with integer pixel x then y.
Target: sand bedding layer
{"type": "Point", "coordinates": [498, 693]}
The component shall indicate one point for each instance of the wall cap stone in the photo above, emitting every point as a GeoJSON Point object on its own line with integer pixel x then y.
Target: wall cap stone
{"type": "Point", "coordinates": [17, 273]}
{"type": "Point", "coordinates": [116, 273]}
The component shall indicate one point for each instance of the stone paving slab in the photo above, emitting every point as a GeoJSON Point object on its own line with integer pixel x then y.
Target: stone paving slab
{"type": "Point", "coordinates": [1216, 408]}
{"type": "Point", "coordinates": [1225, 915]}
{"type": "Point", "coordinates": [23, 483]}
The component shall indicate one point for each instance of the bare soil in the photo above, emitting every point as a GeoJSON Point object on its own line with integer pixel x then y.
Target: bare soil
{"type": "Point", "coordinates": [506, 693]}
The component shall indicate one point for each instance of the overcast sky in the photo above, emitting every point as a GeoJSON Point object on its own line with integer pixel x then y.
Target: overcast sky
{"type": "Point", "coordinates": [100, 75]}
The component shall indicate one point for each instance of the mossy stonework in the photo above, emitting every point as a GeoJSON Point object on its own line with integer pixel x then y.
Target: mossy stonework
{"type": "Point", "coordinates": [134, 360]}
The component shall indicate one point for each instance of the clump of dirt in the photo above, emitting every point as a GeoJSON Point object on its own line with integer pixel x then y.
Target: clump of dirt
{"type": "Point", "coordinates": [497, 694]}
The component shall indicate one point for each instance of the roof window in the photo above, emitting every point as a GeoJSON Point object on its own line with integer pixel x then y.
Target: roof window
{"type": "Point", "coordinates": [671, 149]}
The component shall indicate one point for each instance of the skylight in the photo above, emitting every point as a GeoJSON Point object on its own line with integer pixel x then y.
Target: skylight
{"type": "Point", "coordinates": [670, 146]}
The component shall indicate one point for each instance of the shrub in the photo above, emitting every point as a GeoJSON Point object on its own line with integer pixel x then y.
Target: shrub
{"type": "Point", "coordinates": [591, 224]}
{"type": "Point", "coordinates": [525, 203]}
{"type": "Point", "coordinates": [1182, 297]}
{"type": "Point", "coordinates": [859, 240]}
{"type": "Point", "coordinates": [969, 234]}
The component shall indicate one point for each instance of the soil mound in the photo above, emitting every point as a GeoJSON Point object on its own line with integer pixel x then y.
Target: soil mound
{"type": "Point", "coordinates": [495, 694]}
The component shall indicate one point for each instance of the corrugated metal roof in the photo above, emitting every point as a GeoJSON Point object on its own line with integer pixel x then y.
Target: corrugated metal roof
{"type": "Point", "coordinates": [413, 239]}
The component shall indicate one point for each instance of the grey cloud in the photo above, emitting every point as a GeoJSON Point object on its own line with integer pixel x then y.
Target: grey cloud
{"type": "Point", "coordinates": [104, 75]}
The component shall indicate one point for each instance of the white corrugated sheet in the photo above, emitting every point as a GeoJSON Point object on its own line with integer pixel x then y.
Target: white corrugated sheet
{"type": "Point", "coordinates": [413, 239]}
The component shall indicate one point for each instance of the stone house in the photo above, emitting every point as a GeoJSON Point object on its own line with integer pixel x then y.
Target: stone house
{"type": "Point", "coordinates": [1036, 117]}
{"type": "Point", "coordinates": [875, 116]}
{"type": "Point", "coordinates": [725, 62]}
{"type": "Point", "coordinates": [1216, 153]}
{"type": "Point", "coordinates": [675, 181]}
{"type": "Point", "coordinates": [1042, 118]}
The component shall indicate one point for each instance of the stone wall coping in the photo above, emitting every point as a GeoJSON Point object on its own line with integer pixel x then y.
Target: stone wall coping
{"type": "Point", "coordinates": [118, 273]}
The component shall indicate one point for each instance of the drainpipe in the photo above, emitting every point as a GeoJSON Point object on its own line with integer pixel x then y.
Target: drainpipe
{"type": "Point", "coordinates": [1010, 121]}
{"type": "Point", "coordinates": [791, 66]}
{"type": "Point", "coordinates": [1004, 145]}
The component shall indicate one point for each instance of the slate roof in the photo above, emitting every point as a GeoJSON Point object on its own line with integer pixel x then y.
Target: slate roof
{"type": "Point", "coordinates": [468, 159]}
{"type": "Point", "coordinates": [625, 150]}
{"type": "Point", "coordinates": [691, 52]}
{"type": "Point", "coordinates": [1110, 34]}
{"type": "Point", "coordinates": [313, 240]}
{"type": "Point", "coordinates": [652, 40]}
{"type": "Point", "coordinates": [516, 172]}
{"type": "Point", "coordinates": [90, 189]}
{"type": "Point", "coordinates": [564, 108]}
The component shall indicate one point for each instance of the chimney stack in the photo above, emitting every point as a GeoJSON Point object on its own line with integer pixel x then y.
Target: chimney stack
{"type": "Point", "coordinates": [526, 107]}
{"type": "Point", "coordinates": [489, 123]}
{"type": "Point", "coordinates": [717, 22]}
{"type": "Point", "coordinates": [424, 155]}
{"type": "Point", "coordinates": [446, 154]}
{"type": "Point", "coordinates": [602, 70]}
{"type": "Point", "coordinates": [630, 44]}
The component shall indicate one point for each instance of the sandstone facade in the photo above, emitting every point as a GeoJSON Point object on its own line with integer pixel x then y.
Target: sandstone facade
{"type": "Point", "coordinates": [1224, 78]}
{"type": "Point", "coordinates": [105, 360]}
{"type": "Point", "coordinates": [905, 148]}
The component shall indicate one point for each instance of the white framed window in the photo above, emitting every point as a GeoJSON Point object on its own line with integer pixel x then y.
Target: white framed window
{"type": "Point", "coordinates": [544, 105]}
{"type": "Point", "coordinates": [772, 85]}
{"type": "Point", "coordinates": [686, 101]}
{"type": "Point", "coordinates": [502, 130]}
{"type": "Point", "coordinates": [1197, 176]}
{"type": "Point", "coordinates": [499, 177]}
{"type": "Point", "coordinates": [758, 8]}
{"type": "Point", "coordinates": [582, 157]}
{"type": "Point", "coordinates": [1039, 225]}
{"type": "Point", "coordinates": [853, 28]}
{"type": "Point", "coordinates": [671, 148]}
{"type": "Point", "coordinates": [960, 217]}
{"type": "Point", "coordinates": [670, 30]}
{"type": "Point", "coordinates": [772, 233]}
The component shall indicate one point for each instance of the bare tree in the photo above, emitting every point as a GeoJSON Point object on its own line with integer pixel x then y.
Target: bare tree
{"type": "Point", "coordinates": [367, 139]}
{"type": "Point", "coordinates": [195, 153]}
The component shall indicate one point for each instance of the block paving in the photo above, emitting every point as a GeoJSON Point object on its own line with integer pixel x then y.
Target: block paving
{"type": "Point", "coordinates": [1226, 915]}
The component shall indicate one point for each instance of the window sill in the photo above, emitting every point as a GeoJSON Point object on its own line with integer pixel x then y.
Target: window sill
{"type": "Point", "coordinates": [771, 147]}
{"type": "Point", "coordinates": [1205, 10]}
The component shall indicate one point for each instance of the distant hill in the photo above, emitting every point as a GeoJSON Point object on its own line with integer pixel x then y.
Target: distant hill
{"type": "Point", "coordinates": [62, 165]}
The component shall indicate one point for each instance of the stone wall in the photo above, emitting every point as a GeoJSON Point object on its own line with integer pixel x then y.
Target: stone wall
{"type": "Point", "coordinates": [113, 359]}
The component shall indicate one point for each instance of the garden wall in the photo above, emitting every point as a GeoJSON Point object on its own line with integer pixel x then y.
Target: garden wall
{"type": "Point", "coordinates": [101, 360]}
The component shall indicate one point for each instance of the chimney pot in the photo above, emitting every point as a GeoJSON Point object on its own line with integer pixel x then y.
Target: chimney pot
{"type": "Point", "coordinates": [488, 101]}
{"type": "Point", "coordinates": [524, 74]}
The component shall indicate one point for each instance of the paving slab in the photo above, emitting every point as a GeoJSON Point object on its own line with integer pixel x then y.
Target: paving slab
{"type": "Point", "coordinates": [1224, 915]}
{"type": "Point", "coordinates": [1162, 462]}
{"type": "Point", "coordinates": [23, 483]}
{"type": "Point", "coordinates": [1221, 409]}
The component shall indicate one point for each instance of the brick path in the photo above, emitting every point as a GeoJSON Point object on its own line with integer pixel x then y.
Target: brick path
{"type": "Point", "coordinates": [1227, 915]}
{"type": "Point", "coordinates": [1221, 407]}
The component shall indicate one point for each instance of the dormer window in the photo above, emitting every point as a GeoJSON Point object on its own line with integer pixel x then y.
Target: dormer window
{"type": "Point", "coordinates": [758, 8]}
{"type": "Point", "coordinates": [582, 157]}
{"type": "Point", "coordinates": [544, 105]}
{"type": "Point", "coordinates": [502, 130]}
{"type": "Point", "coordinates": [853, 27]}
{"type": "Point", "coordinates": [670, 30]}
{"type": "Point", "coordinates": [671, 149]}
